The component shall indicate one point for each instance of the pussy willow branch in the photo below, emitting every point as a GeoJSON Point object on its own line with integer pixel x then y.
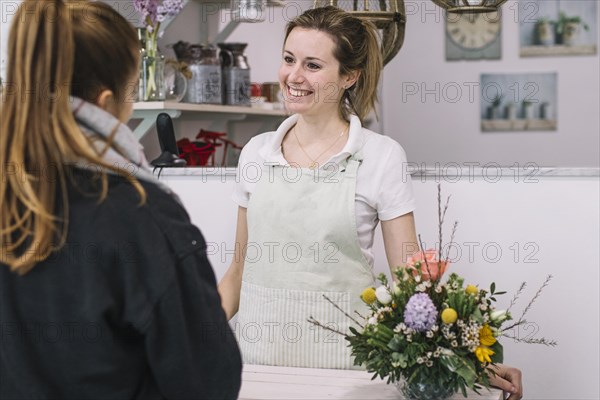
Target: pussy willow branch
{"type": "Point", "coordinates": [317, 323]}
{"type": "Point", "coordinates": [451, 240]}
{"type": "Point", "coordinates": [424, 256]}
{"type": "Point", "coordinates": [543, 341]}
{"type": "Point", "coordinates": [534, 298]}
{"type": "Point", "coordinates": [344, 312]}
{"type": "Point", "coordinates": [360, 315]}
{"type": "Point", "coordinates": [440, 220]}
{"type": "Point", "coordinates": [516, 296]}
{"type": "Point", "coordinates": [441, 217]}
{"type": "Point", "coordinates": [537, 294]}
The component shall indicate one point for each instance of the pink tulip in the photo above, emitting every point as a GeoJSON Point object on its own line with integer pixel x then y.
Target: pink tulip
{"type": "Point", "coordinates": [436, 267]}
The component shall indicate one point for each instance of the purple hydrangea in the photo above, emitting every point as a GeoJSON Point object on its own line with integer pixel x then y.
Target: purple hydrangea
{"type": "Point", "coordinates": [156, 11]}
{"type": "Point", "coordinates": [420, 313]}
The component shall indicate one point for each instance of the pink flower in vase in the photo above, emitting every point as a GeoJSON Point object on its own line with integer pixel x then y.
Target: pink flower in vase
{"type": "Point", "coordinates": [433, 265]}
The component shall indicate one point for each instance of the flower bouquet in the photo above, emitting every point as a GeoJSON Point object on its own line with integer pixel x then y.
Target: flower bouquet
{"type": "Point", "coordinates": [153, 13]}
{"type": "Point", "coordinates": [432, 338]}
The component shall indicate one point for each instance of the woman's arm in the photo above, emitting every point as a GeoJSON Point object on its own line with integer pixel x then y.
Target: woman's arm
{"type": "Point", "coordinates": [399, 239]}
{"type": "Point", "coordinates": [230, 285]}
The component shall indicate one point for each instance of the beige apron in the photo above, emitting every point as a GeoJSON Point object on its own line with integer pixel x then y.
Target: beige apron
{"type": "Point", "coordinates": [302, 243]}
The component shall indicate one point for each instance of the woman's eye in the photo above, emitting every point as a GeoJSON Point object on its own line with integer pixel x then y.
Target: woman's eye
{"type": "Point", "coordinates": [313, 66]}
{"type": "Point", "coordinates": [288, 59]}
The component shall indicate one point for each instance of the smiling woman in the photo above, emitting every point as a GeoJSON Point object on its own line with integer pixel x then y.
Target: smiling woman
{"type": "Point", "coordinates": [306, 226]}
{"type": "Point", "coordinates": [323, 188]}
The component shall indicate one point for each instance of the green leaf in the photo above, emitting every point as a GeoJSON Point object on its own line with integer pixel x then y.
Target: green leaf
{"type": "Point", "coordinates": [498, 356]}
{"type": "Point", "coordinates": [400, 358]}
{"type": "Point", "coordinates": [396, 343]}
{"type": "Point", "coordinates": [477, 315]}
{"type": "Point", "coordinates": [492, 287]}
{"type": "Point", "coordinates": [461, 367]}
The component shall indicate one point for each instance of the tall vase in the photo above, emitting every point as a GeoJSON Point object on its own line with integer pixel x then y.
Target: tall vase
{"type": "Point", "coordinates": [152, 87]}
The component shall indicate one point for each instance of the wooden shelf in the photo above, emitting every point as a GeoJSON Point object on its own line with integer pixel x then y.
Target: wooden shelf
{"type": "Point", "coordinates": [206, 108]}
{"type": "Point", "coordinates": [558, 50]}
{"type": "Point", "coordinates": [488, 125]}
{"type": "Point", "coordinates": [148, 111]}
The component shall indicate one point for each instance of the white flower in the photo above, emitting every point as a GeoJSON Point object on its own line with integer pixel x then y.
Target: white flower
{"type": "Point", "coordinates": [383, 295]}
{"type": "Point", "coordinates": [445, 352]}
{"type": "Point", "coordinates": [397, 290]}
{"type": "Point", "coordinates": [483, 307]}
{"type": "Point", "coordinates": [400, 327]}
{"type": "Point", "coordinates": [372, 321]}
{"type": "Point", "coordinates": [498, 315]}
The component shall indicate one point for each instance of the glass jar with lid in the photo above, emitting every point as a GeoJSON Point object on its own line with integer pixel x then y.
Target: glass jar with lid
{"type": "Point", "coordinates": [204, 87]}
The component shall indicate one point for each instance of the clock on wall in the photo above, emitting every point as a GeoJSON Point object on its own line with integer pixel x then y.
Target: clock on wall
{"type": "Point", "coordinates": [473, 36]}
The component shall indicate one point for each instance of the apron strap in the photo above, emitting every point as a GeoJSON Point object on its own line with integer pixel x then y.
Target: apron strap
{"type": "Point", "coordinates": [351, 164]}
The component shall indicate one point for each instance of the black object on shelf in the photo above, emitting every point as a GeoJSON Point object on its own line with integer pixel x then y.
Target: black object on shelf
{"type": "Point", "coordinates": [168, 145]}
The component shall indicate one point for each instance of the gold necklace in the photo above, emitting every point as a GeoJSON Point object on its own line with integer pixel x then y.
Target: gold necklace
{"type": "Point", "coordinates": [314, 164]}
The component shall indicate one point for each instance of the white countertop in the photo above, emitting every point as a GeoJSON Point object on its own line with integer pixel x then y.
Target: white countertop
{"type": "Point", "coordinates": [267, 382]}
{"type": "Point", "coordinates": [448, 173]}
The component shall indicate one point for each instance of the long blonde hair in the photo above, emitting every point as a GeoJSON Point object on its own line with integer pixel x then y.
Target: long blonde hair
{"type": "Point", "coordinates": [356, 49]}
{"type": "Point", "coordinates": [55, 49]}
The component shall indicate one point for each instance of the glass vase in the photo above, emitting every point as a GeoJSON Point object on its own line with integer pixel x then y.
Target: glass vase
{"type": "Point", "coordinates": [424, 389]}
{"type": "Point", "coordinates": [152, 85]}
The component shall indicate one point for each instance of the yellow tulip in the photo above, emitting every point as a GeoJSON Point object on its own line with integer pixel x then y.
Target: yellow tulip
{"type": "Point", "coordinates": [449, 316]}
{"type": "Point", "coordinates": [471, 289]}
{"type": "Point", "coordinates": [483, 353]}
{"type": "Point", "coordinates": [486, 336]}
{"type": "Point", "coordinates": [368, 295]}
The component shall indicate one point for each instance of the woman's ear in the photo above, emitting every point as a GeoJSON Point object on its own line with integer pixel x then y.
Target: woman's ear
{"type": "Point", "coordinates": [351, 79]}
{"type": "Point", "coordinates": [106, 101]}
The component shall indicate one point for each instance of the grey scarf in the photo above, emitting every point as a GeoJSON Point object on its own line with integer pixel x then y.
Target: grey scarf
{"type": "Point", "coordinates": [125, 153]}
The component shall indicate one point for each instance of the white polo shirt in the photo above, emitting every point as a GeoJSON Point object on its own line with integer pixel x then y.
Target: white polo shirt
{"type": "Point", "coordinates": [383, 184]}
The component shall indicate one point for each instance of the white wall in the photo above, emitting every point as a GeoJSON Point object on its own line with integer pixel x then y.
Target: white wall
{"type": "Point", "coordinates": [7, 10]}
{"type": "Point", "coordinates": [447, 132]}
{"type": "Point", "coordinates": [508, 232]}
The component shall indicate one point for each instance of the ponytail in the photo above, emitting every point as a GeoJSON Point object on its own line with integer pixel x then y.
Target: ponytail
{"type": "Point", "coordinates": [362, 96]}
{"type": "Point", "coordinates": [47, 47]}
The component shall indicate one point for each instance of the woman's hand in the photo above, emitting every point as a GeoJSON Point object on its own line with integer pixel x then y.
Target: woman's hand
{"type": "Point", "coordinates": [508, 379]}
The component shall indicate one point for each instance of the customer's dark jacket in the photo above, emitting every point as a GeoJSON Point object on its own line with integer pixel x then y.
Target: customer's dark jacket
{"type": "Point", "coordinates": [127, 309]}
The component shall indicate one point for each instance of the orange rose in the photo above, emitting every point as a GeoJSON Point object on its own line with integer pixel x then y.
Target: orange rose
{"type": "Point", "coordinates": [417, 262]}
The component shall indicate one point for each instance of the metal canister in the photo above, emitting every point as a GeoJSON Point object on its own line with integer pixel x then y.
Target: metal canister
{"type": "Point", "coordinates": [236, 84]}
{"type": "Point", "coordinates": [205, 85]}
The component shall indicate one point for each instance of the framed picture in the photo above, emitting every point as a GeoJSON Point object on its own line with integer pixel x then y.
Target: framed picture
{"type": "Point", "coordinates": [519, 102]}
{"type": "Point", "coordinates": [473, 36]}
{"type": "Point", "coordinates": [558, 27]}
